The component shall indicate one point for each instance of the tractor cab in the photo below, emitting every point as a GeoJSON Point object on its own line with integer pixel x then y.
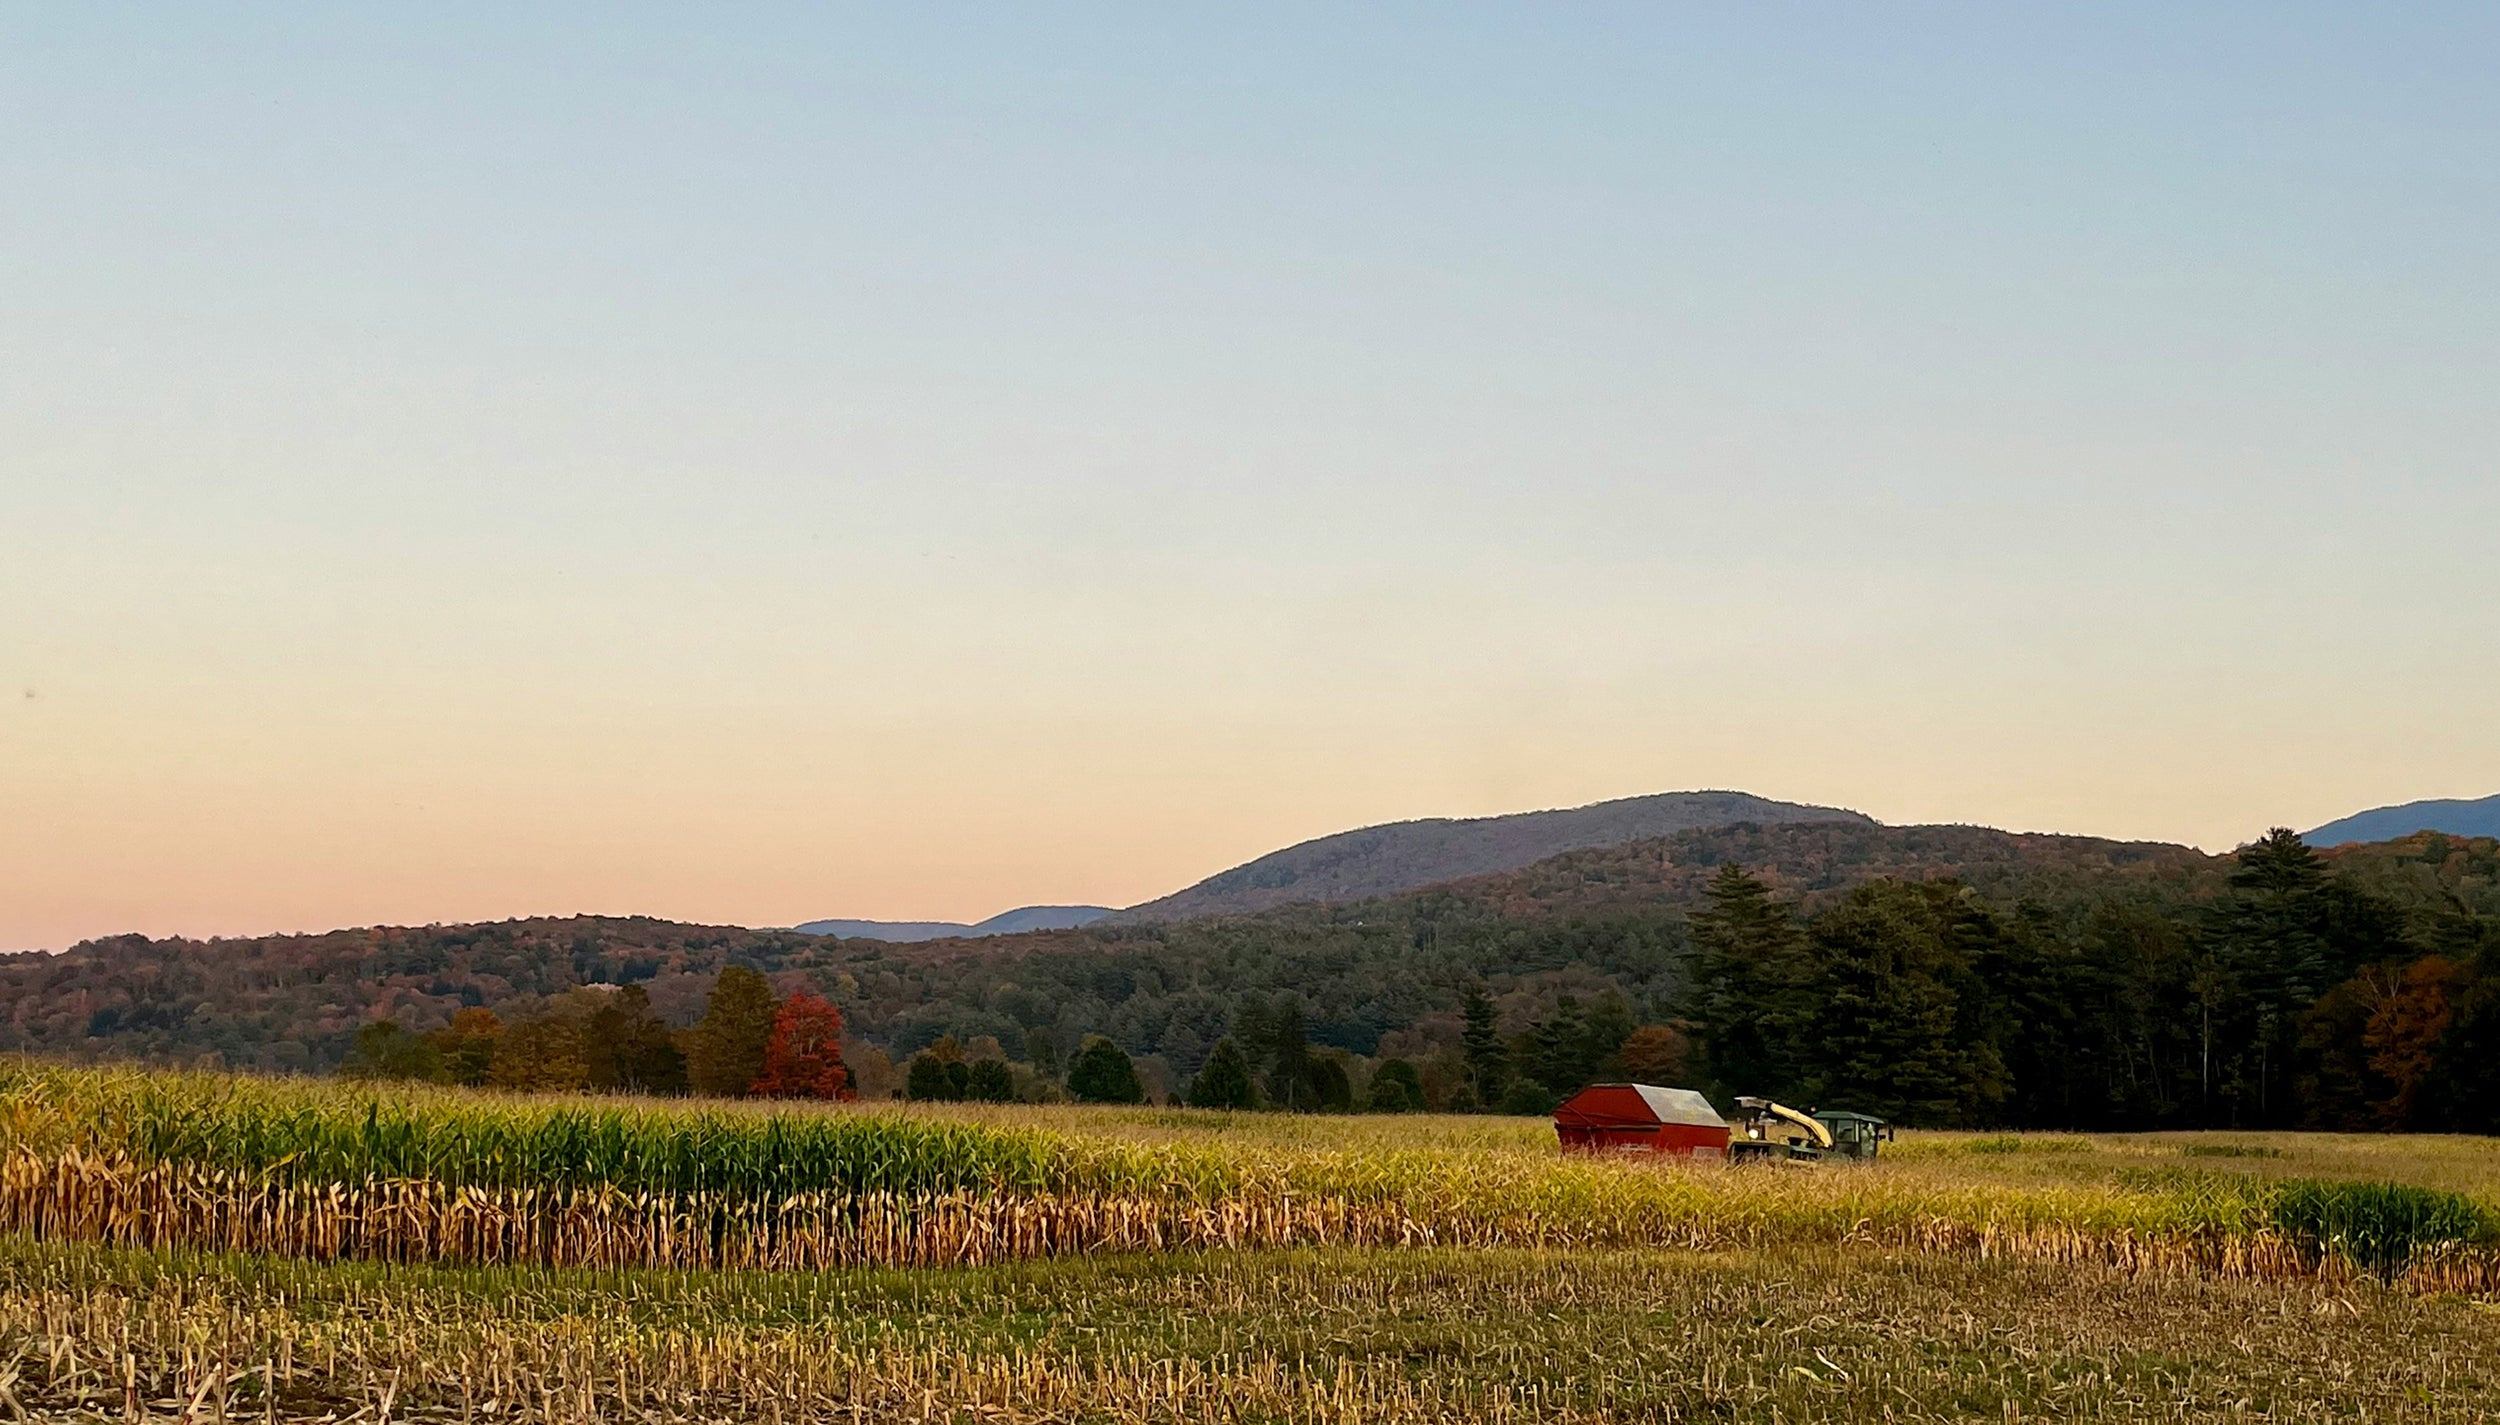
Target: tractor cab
{"type": "Point", "coordinates": [1854, 1135]}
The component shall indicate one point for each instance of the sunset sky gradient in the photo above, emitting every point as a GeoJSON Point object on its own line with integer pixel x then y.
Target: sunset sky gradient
{"type": "Point", "coordinates": [756, 464]}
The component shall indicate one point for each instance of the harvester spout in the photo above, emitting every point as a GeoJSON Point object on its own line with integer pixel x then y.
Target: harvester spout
{"type": "Point", "coordinates": [1821, 1135]}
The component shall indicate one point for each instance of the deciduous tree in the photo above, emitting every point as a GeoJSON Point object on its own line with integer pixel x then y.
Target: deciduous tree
{"type": "Point", "coordinates": [630, 1048]}
{"type": "Point", "coordinates": [386, 1051]}
{"type": "Point", "coordinates": [990, 1081]}
{"type": "Point", "coordinates": [1652, 1054]}
{"type": "Point", "coordinates": [725, 1051]}
{"type": "Point", "coordinates": [467, 1044]}
{"type": "Point", "coordinates": [803, 1059]}
{"type": "Point", "coordinates": [1396, 1088]}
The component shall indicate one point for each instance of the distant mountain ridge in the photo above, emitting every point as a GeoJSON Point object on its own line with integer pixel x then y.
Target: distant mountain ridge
{"type": "Point", "coordinates": [1402, 856]}
{"type": "Point", "coordinates": [2452, 816]}
{"type": "Point", "coordinates": [1006, 922]}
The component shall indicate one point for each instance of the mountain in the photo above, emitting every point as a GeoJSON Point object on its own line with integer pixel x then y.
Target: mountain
{"type": "Point", "coordinates": [2454, 816]}
{"type": "Point", "coordinates": [892, 932]}
{"type": "Point", "coordinates": [1006, 922]}
{"type": "Point", "coordinates": [1041, 917]}
{"type": "Point", "coordinates": [1400, 856]}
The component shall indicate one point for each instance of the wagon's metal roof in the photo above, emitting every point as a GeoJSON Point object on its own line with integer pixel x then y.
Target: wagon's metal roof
{"type": "Point", "coordinates": [1679, 1106]}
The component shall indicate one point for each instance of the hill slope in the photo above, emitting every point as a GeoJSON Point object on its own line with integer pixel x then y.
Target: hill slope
{"type": "Point", "coordinates": [1006, 922]}
{"type": "Point", "coordinates": [2454, 816]}
{"type": "Point", "coordinates": [1400, 856]}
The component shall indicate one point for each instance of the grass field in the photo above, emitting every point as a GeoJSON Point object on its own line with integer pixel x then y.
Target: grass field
{"type": "Point", "coordinates": [454, 1255]}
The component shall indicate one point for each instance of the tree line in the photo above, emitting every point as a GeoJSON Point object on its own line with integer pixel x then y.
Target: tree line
{"type": "Point", "coordinates": [1950, 975]}
{"type": "Point", "coordinates": [750, 1042]}
{"type": "Point", "coordinates": [2294, 995]}
{"type": "Point", "coordinates": [2287, 991]}
{"type": "Point", "coordinates": [1268, 1061]}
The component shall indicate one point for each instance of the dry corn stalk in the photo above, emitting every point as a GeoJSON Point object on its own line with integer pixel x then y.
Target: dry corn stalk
{"type": "Point", "coordinates": [117, 1200]}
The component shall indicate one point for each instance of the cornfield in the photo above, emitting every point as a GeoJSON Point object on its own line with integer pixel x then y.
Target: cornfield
{"type": "Point", "coordinates": [332, 1173]}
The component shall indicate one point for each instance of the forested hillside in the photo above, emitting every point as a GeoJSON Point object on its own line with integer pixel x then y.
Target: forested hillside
{"type": "Point", "coordinates": [1591, 920]}
{"type": "Point", "coordinates": [295, 1002]}
{"type": "Point", "coordinates": [1936, 974]}
{"type": "Point", "coordinates": [1402, 856]}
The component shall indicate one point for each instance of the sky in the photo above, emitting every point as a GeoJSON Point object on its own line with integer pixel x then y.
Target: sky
{"type": "Point", "coordinates": [750, 464]}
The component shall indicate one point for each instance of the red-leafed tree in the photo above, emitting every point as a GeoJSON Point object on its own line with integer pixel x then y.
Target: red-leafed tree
{"type": "Point", "coordinates": [804, 1058]}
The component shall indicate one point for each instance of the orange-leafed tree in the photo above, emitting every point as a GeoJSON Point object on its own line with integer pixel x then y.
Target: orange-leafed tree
{"type": "Point", "coordinates": [804, 1057]}
{"type": "Point", "coordinates": [1653, 1054]}
{"type": "Point", "coordinates": [2403, 1035]}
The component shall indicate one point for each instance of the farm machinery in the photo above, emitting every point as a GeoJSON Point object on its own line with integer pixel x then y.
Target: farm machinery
{"type": "Point", "coordinates": [1773, 1132]}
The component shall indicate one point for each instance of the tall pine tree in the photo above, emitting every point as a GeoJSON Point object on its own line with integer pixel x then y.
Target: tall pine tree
{"type": "Point", "coordinates": [1889, 1037]}
{"type": "Point", "coordinates": [1749, 986]}
{"type": "Point", "coordinates": [1488, 1059]}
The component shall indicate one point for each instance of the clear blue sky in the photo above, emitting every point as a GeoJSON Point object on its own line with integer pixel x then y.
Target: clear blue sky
{"type": "Point", "coordinates": [754, 464]}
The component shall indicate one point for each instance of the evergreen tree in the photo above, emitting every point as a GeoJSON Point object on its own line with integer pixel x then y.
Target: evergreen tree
{"type": "Point", "coordinates": [1887, 1038]}
{"type": "Point", "coordinates": [1610, 1021]}
{"type": "Point", "coordinates": [1558, 1056]}
{"type": "Point", "coordinates": [1749, 972]}
{"type": "Point", "coordinates": [1103, 1073]}
{"type": "Point", "coordinates": [725, 1051]}
{"type": "Point", "coordinates": [2269, 962]}
{"type": "Point", "coordinates": [1224, 1080]}
{"type": "Point", "coordinates": [1488, 1060]}
{"type": "Point", "coordinates": [1278, 1043]}
{"type": "Point", "coordinates": [1289, 1081]}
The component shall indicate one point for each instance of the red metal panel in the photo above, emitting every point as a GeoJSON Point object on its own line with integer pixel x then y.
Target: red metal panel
{"type": "Point", "coordinates": [1614, 1118]}
{"type": "Point", "coordinates": [1693, 1140]}
{"type": "Point", "coordinates": [1607, 1104]}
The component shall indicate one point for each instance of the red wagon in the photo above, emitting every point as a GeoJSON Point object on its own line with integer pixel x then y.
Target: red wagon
{"type": "Point", "coordinates": [1641, 1118]}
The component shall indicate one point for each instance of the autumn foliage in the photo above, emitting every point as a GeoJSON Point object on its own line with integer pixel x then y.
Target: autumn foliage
{"type": "Point", "coordinates": [804, 1057]}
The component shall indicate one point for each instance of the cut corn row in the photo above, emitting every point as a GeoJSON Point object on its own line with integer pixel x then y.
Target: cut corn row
{"type": "Point", "coordinates": [121, 1201]}
{"type": "Point", "coordinates": [219, 1359]}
